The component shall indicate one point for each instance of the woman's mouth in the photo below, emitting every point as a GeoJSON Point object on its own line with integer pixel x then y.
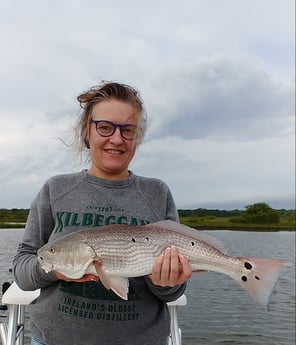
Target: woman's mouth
{"type": "Point", "coordinates": [114, 152]}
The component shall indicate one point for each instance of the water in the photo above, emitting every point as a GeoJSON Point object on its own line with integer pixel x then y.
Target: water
{"type": "Point", "coordinates": [219, 311]}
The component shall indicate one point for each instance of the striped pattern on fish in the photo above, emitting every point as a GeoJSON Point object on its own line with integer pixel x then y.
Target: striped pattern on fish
{"type": "Point", "coordinates": [129, 251]}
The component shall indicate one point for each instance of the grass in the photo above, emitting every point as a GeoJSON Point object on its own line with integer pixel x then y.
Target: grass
{"type": "Point", "coordinates": [231, 223]}
{"type": "Point", "coordinates": [11, 225]}
{"type": "Point", "coordinates": [212, 223]}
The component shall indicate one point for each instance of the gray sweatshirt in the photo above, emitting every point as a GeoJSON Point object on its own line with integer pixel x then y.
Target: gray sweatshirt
{"type": "Point", "coordinates": [86, 313]}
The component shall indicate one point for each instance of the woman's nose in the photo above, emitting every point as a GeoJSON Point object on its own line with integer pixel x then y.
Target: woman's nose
{"type": "Point", "coordinates": [116, 136]}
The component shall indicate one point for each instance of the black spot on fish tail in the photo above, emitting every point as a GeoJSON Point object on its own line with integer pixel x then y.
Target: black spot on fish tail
{"type": "Point", "coordinates": [244, 278]}
{"type": "Point", "coordinates": [256, 277]}
{"type": "Point", "coordinates": [192, 243]}
{"type": "Point", "coordinates": [147, 238]}
{"type": "Point", "coordinates": [248, 266]}
{"type": "Point", "coordinates": [134, 240]}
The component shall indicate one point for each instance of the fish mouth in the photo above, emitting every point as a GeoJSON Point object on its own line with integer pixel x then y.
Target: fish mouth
{"type": "Point", "coordinates": [45, 265]}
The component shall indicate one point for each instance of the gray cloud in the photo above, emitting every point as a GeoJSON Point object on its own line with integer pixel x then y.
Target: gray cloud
{"type": "Point", "coordinates": [217, 81]}
{"type": "Point", "coordinates": [223, 98]}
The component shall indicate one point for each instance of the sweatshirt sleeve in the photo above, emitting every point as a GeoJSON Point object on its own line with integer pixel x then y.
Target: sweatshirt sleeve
{"type": "Point", "coordinates": [27, 271]}
{"type": "Point", "coordinates": [166, 294]}
{"type": "Point", "coordinates": [171, 210]}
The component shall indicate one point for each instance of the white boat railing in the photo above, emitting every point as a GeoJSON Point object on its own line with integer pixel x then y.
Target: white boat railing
{"type": "Point", "coordinates": [12, 329]}
{"type": "Point", "coordinates": [175, 337]}
{"type": "Point", "coordinates": [12, 326]}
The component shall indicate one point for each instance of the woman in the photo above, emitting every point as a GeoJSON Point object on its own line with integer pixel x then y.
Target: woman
{"type": "Point", "coordinates": [83, 312]}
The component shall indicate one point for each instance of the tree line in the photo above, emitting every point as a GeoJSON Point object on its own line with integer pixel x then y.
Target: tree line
{"type": "Point", "coordinates": [259, 213]}
{"type": "Point", "coordinates": [13, 215]}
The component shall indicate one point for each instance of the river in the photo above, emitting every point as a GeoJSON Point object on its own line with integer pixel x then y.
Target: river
{"type": "Point", "coordinates": [219, 311]}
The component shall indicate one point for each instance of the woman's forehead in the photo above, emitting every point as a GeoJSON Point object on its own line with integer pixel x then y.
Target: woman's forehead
{"type": "Point", "coordinates": [114, 110]}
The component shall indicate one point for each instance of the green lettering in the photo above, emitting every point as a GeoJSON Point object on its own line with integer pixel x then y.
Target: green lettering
{"type": "Point", "coordinates": [110, 220]}
{"type": "Point", "coordinates": [59, 226]}
{"type": "Point", "coordinates": [74, 219]}
{"type": "Point", "coordinates": [67, 218]}
{"type": "Point", "coordinates": [87, 219]}
{"type": "Point", "coordinates": [122, 220]}
{"type": "Point", "coordinates": [98, 220]}
{"type": "Point", "coordinates": [134, 221]}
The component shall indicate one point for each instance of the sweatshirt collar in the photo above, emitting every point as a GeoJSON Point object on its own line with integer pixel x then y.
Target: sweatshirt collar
{"type": "Point", "coordinates": [107, 183]}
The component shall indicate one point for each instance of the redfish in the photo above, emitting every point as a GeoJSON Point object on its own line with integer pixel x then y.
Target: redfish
{"type": "Point", "coordinates": [126, 251]}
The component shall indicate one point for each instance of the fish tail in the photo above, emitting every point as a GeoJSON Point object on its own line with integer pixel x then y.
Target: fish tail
{"type": "Point", "coordinates": [259, 276]}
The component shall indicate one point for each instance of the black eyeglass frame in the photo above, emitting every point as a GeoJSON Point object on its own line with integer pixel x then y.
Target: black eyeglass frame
{"type": "Point", "coordinates": [114, 126]}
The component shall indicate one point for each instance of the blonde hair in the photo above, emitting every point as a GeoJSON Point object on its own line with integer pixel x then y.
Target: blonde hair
{"type": "Point", "coordinates": [105, 91]}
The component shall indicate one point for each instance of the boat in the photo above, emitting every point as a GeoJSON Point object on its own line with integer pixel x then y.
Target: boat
{"type": "Point", "coordinates": [15, 300]}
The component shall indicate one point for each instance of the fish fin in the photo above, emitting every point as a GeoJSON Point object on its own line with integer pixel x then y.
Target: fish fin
{"type": "Point", "coordinates": [188, 231]}
{"type": "Point", "coordinates": [118, 285]}
{"type": "Point", "coordinates": [91, 269]}
{"type": "Point", "coordinates": [259, 277]}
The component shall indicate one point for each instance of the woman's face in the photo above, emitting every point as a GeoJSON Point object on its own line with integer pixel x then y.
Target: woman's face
{"type": "Point", "coordinates": [111, 156]}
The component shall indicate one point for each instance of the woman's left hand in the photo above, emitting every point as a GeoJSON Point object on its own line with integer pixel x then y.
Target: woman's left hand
{"type": "Point", "coordinates": [170, 269]}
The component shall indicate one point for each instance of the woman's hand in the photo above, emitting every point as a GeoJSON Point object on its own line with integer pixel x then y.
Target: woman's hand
{"type": "Point", "coordinates": [170, 269]}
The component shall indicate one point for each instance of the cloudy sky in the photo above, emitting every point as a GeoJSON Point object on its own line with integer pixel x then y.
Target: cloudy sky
{"type": "Point", "coordinates": [217, 78]}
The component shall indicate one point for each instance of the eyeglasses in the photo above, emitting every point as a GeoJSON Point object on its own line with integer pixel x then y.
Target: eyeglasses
{"type": "Point", "coordinates": [107, 128]}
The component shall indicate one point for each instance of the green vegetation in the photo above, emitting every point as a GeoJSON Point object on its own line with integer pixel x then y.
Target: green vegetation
{"type": "Point", "coordinates": [13, 218]}
{"type": "Point", "coordinates": [258, 216]}
{"type": "Point", "coordinates": [260, 213]}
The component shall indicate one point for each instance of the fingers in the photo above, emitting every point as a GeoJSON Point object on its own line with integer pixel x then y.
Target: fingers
{"type": "Point", "coordinates": [89, 277]}
{"type": "Point", "coordinates": [186, 268]}
{"type": "Point", "coordinates": [170, 269]}
{"type": "Point", "coordinates": [174, 267]}
{"type": "Point", "coordinates": [155, 276]}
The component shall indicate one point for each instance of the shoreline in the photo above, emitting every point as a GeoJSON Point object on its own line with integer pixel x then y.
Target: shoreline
{"type": "Point", "coordinates": [208, 227]}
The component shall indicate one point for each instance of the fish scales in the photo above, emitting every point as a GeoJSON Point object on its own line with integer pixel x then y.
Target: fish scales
{"type": "Point", "coordinates": [140, 247]}
{"type": "Point", "coordinates": [129, 251]}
